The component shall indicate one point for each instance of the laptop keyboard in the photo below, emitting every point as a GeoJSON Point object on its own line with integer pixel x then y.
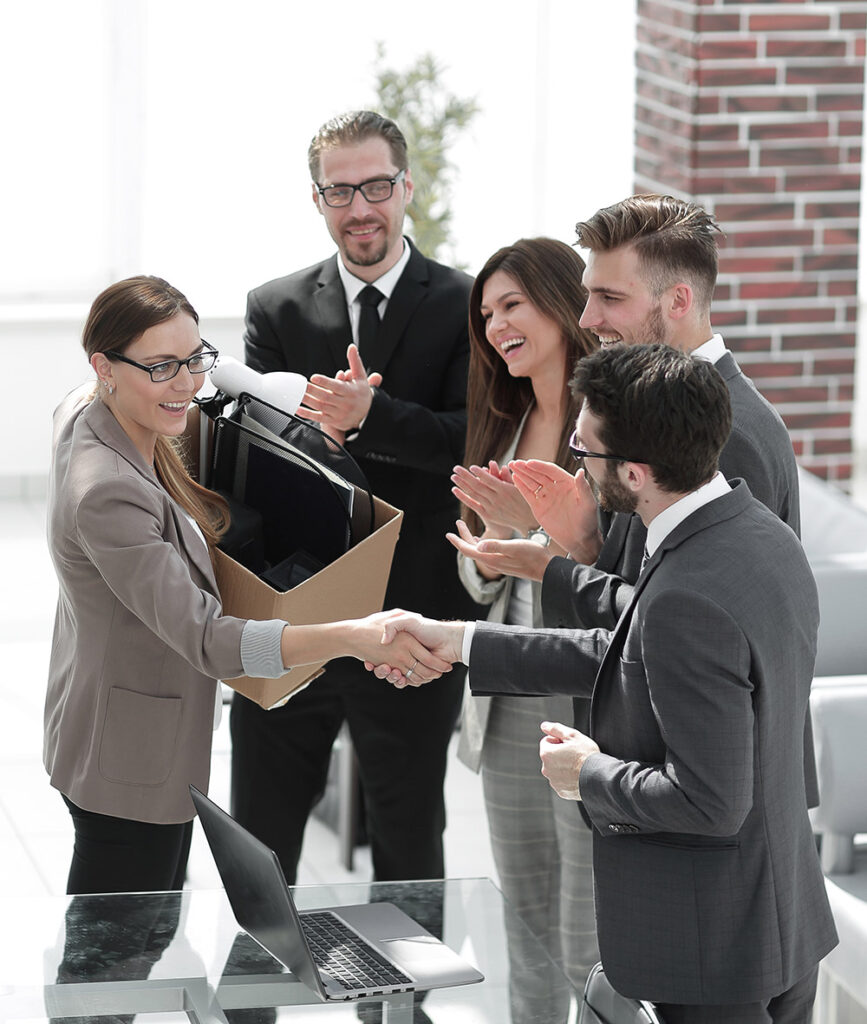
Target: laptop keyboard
{"type": "Point", "coordinates": [347, 958]}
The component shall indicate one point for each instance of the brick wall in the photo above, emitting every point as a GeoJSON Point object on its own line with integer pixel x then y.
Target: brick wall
{"type": "Point", "coordinates": [755, 111]}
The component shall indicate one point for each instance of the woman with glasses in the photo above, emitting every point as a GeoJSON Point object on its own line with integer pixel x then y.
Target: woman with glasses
{"type": "Point", "coordinates": [524, 341]}
{"type": "Point", "coordinates": [139, 638]}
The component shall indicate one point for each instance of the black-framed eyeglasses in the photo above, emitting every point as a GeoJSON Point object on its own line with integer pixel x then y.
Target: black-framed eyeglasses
{"type": "Point", "coordinates": [579, 453]}
{"type": "Point", "coordinates": [376, 191]}
{"type": "Point", "coordinates": [199, 362]}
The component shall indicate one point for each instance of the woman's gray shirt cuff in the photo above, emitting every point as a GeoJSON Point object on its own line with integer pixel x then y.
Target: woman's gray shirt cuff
{"type": "Point", "coordinates": [261, 655]}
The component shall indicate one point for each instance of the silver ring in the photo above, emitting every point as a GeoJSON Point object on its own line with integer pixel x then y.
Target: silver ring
{"type": "Point", "coordinates": [536, 492]}
{"type": "Point", "coordinates": [411, 668]}
{"type": "Point", "coordinates": [408, 673]}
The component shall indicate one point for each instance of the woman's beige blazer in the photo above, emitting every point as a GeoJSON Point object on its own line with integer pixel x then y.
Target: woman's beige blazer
{"type": "Point", "coordinates": [139, 638]}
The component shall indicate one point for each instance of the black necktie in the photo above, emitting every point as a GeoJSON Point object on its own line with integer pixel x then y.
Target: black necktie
{"type": "Point", "coordinates": [369, 299]}
{"type": "Point", "coordinates": [644, 558]}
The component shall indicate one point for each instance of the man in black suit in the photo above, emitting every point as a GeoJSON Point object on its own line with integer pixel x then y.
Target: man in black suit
{"type": "Point", "coordinates": [404, 421]}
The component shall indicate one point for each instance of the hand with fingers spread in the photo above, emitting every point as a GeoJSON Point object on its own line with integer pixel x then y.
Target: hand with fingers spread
{"type": "Point", "coordinates": [442, 642]}
{"type": "Point", "coordinates": [563, 751]}
{"type": "Point", "coordinates": [491, 494]}
{"type": "Point", "coordinates": [341, 403]}
{"type": "Point", "coordinates": [563, 504]}
{"type": "Point", "coordinates": [507, 557]}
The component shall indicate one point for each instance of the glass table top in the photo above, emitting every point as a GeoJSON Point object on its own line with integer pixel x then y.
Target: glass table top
{"type": "Point", "coordinates": [166, 957]}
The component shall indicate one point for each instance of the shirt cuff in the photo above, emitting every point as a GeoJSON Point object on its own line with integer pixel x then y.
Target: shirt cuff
{"type": "Point", "coordinates": [261, 654]}
{"type": "Point", "coordinates": [469, 633]}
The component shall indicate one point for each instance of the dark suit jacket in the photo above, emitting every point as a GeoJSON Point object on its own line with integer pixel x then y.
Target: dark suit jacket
{"type": "Point", "coordinates": [759, 451]}
{"type": "Point", "coordinates": [414, 433]}
{"type": "Point", "coordinates": [708, 885]}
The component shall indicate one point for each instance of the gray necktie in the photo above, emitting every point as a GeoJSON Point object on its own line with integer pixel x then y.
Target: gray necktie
{"type": "Point", "coordinates": [369, 299]}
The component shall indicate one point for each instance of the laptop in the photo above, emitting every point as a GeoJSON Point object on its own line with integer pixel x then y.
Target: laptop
{"type": "Point", "coordinates": [340, 953]}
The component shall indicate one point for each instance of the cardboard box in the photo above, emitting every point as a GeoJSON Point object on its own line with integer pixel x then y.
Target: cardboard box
{"type": "Point", "coordinates": [351, 587]}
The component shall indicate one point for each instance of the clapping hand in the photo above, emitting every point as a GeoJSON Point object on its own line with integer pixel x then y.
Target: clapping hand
{"type": "Point", "coordinates": [563, 504]}
{"type": "Point", "coordinates": [491, 494]}
{"type": "Point", "coordinates": [340, 404]}
{"type": "Point", "coordinates": [507, 557]}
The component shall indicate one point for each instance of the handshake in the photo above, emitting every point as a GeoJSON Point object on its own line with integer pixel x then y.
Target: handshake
{"type": "Point", "coordinates": [415, 650]}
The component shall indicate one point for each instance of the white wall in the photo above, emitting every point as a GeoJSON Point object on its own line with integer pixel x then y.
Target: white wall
{"type": "Point", "coordinates": [170, 137]}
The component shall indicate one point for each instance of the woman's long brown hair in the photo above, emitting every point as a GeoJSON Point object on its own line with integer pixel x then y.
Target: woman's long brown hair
{"type": "Point", "coordinates": [549, 273]}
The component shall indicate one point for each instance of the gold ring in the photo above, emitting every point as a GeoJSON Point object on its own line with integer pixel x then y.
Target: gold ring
{"type": "Point", "coordinates": [536, 492]}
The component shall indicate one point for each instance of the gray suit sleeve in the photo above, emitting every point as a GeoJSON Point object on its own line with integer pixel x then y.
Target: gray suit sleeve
{"type": "Point", "coordinates": [532, 662]}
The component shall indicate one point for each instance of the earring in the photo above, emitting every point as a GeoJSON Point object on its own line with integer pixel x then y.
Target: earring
{"type": "Point", "coordinates": [108, 387]}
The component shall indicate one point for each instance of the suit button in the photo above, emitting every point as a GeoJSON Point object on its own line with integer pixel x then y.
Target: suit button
{"type": "Point", "coordinates": [614, 828]}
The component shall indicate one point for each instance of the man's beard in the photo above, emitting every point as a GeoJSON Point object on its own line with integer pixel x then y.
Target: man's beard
{"type": "Point", "coordinates": [612, 495]}
{"type": "Point", "coordinates": [652, 331]}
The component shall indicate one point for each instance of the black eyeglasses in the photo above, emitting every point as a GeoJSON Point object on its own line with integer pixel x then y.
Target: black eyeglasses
{"type": "Point", "coordinates": [376, 191]}
{"type": "Point", "coordinates": [199, 362]}
{"type": "Point", "coordinates": [579, 453]}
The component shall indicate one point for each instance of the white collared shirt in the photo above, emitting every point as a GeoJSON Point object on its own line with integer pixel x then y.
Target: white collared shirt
{"type": "Point", "coordinates": [675, 514]}
{"type": "Point", "coordinates": [353, 285]}
{"type": "Point", "coordinates": [712, 350]}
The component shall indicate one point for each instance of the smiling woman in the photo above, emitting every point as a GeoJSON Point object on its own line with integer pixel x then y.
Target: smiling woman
{"type": "Point", "coordinates": [140, 638]}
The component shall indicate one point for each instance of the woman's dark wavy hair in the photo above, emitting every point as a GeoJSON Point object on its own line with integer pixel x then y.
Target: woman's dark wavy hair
{"type": "Point", "coordinates": [549, 273]}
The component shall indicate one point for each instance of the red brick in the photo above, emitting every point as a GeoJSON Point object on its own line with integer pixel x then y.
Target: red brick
{"type": "Point", "coordinates": [778, 289]}
{"type": "Point", "coordinates": [735, 184]}
{"type": "Point", "coordinates": [829, 102]}
{"type": "Point", "coordinates": [655, 91]}
{"type": "Point", "coordinates": [845, 392]}
{"type": "Point", "coordinates": [860, 46]}
{"type": "Point", "coordinates": [708, 103]}
{"type": "Point", "coordinates": [832, 446]}
{"type": "Point", "coordinates": [817, 420]}
{"type": "Point", "coordinates": [830, 49]}
{"type": "Point", "coordinates": [852, 22]}
{"type": "Point", "coordinates": [798, 129]}
{"type": "Point", "coordinates": [756, 264]}
{"type": "Point", "coordinates": [722, 293]}
{"type": "Point", "coordinates": [834, 367]}
{"type": "Point", "coordinates": [797, 315]}
{"type": "Point", "coordinates": [840, 236]}
{"type": "Point", "coordinates": [798, 446]}
{"type": "Point", "coordinates": [828, 74]}
{"type": "Point", "coordinates": [788, 396]}
{"type": "Point", "coordinates": [783, 103]}
{"type": "Point", "coordinates": [850, 126]}
{"type": "Point", "coordinates": [716, 131]}
{"type": "Point", "coordinates": [724, 157]}
{"type": "Point", "coordinates": [763, 238]}
{"type": "Point", "coordinates": [737, 48]}
{"type": "Point", "coordinates": [762, 210]}
{"type": "Point", "coordinates": [652, 38]}
{"type": "Point", "coordinates": [820, 340]}
{"type": "Point", "coordinates": [842, 288]}
{"type": "Point", "coordinates": [789, 23]}
{"type": "Point", "coordinates": [823, 181]}
{"type": "Point", "coordinates": [729, 318]}
{"type": "Point", "coordinates": [834, 210]}
{"type": "Point", "coordinates": [750, 343]}
{"type": "Point", "coordinates": [852, 155]}
{"type": "Point", "coordinates": [707, 23]}
{"type": "Point", "coordinates": [816, 263]}
{"type": "Point", "coordinates": [798, 156]}
{"type": "Point", "coordinates": [733, 77]}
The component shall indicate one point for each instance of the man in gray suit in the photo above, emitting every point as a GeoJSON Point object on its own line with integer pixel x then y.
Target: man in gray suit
{"type": "Point", "coordinates": [709, 896]}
